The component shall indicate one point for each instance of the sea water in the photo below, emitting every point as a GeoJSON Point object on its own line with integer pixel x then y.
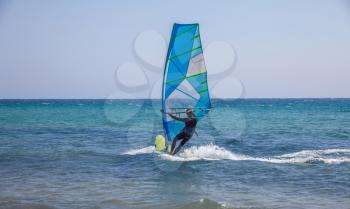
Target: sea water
{"type": "Point", "coordinates": [252, 153]}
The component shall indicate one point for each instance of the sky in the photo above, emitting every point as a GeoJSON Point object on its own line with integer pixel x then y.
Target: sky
{"type": "Point", "coordinates": [115, 49]}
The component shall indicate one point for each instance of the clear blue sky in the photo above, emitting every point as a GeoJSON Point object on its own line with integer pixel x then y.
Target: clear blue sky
{"type": "Point", "coordinates": [70, 49]}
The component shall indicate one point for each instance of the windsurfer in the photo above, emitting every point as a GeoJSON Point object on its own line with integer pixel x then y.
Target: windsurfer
{"type": "Point", "coordinates": [187, 132]}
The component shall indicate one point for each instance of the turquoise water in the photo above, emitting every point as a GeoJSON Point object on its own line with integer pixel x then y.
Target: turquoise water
{"type": "Point", "coordinates": [255, 153]}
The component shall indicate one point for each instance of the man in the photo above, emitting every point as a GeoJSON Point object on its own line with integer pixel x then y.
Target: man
{"type": "Point", "coordinates": [187, 132]}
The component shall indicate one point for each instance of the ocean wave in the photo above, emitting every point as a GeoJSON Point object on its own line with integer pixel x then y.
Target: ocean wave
{"type": "Point", "coordinates": [214, 152]}
{"type": "Point", "coordinates": [204, 204]}
{"type": "Point", "coordinates": [13, 203]}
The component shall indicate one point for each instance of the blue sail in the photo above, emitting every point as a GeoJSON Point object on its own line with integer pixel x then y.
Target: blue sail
{"type": "Point", "coordinates": [185, 78]}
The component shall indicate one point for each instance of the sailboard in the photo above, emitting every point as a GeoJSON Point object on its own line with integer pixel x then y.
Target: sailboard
{"type": "Point", "coordinates": [185, 79]}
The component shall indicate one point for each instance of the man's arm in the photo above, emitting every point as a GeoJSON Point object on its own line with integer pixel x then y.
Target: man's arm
{"type": "Point", "coordinates": [177, 118]}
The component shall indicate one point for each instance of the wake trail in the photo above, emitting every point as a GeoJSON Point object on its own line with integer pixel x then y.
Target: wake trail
{"type": "Point", "coordinates": [214, 152]}
{"type": "Point", "coordinates": [145, 150]}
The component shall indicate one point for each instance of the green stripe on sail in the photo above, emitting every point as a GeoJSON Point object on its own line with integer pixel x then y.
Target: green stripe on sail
{"type": "Point", "coordinates": [203, 82]}
{"type": "Point", "coordinates": [193, 75]}
{"type": "Point", "coordinates": [189, 76]}
{"type": "Point", "coordinates": [186, 52]}
{"type": "Point", "coordinates": [175, 80]}
{"type": "Point", "coordinates": [185, 31]}
{"type": "Point", "coordinates": [202, 91]}
{"type": "Point", "coordinates": [194, 37]}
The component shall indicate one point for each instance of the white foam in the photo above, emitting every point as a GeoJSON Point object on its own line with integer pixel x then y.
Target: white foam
{"type": "Point", "coordinates": [205, 152]}
{"type": "Point", "coordinates": [305, 156]}
{"type": "Point", "coordinates": [145, 150]}
{"type": "Point", "coordinates": [304, 153]}
{"type": "Point", "coordinates": [214, 152]}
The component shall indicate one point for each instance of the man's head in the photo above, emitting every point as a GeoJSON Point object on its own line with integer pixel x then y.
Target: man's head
{"type": "Point", "coordinates": [189, 112]}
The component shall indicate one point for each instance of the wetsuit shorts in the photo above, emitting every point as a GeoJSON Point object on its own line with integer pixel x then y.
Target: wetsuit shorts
{"type": "Point", "coordinates": [184, 135]}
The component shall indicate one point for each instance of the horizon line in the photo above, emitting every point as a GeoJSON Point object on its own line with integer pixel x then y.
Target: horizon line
{"type": "Point", "coordinates": [160, 98]}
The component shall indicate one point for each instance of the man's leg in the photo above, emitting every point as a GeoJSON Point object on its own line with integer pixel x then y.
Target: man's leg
{"type": "Point", "coordinates": [178, 137]}
{"type": "Point", "coordinates": [173, 144]}
{"type": "Point", "coordinates": [183, 142]}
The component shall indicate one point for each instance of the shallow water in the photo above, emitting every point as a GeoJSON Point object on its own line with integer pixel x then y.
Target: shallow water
{"type": "Point", "coordinates": [256, 153]}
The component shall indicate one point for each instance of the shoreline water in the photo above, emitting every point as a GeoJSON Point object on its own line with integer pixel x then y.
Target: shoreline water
{"type": "Point", "coordinates": [249, 154]}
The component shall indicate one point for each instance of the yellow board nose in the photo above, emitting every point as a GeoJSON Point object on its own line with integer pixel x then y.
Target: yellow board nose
{"type": "Point", "coordinates": [160, 143]}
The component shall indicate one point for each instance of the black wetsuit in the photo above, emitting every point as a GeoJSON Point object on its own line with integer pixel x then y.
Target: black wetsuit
{"type": "Point", "coordinates": [186, 133]}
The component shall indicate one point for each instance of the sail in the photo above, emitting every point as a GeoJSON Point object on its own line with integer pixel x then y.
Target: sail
{"type": "Point", "coordinates": [185, 78]}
